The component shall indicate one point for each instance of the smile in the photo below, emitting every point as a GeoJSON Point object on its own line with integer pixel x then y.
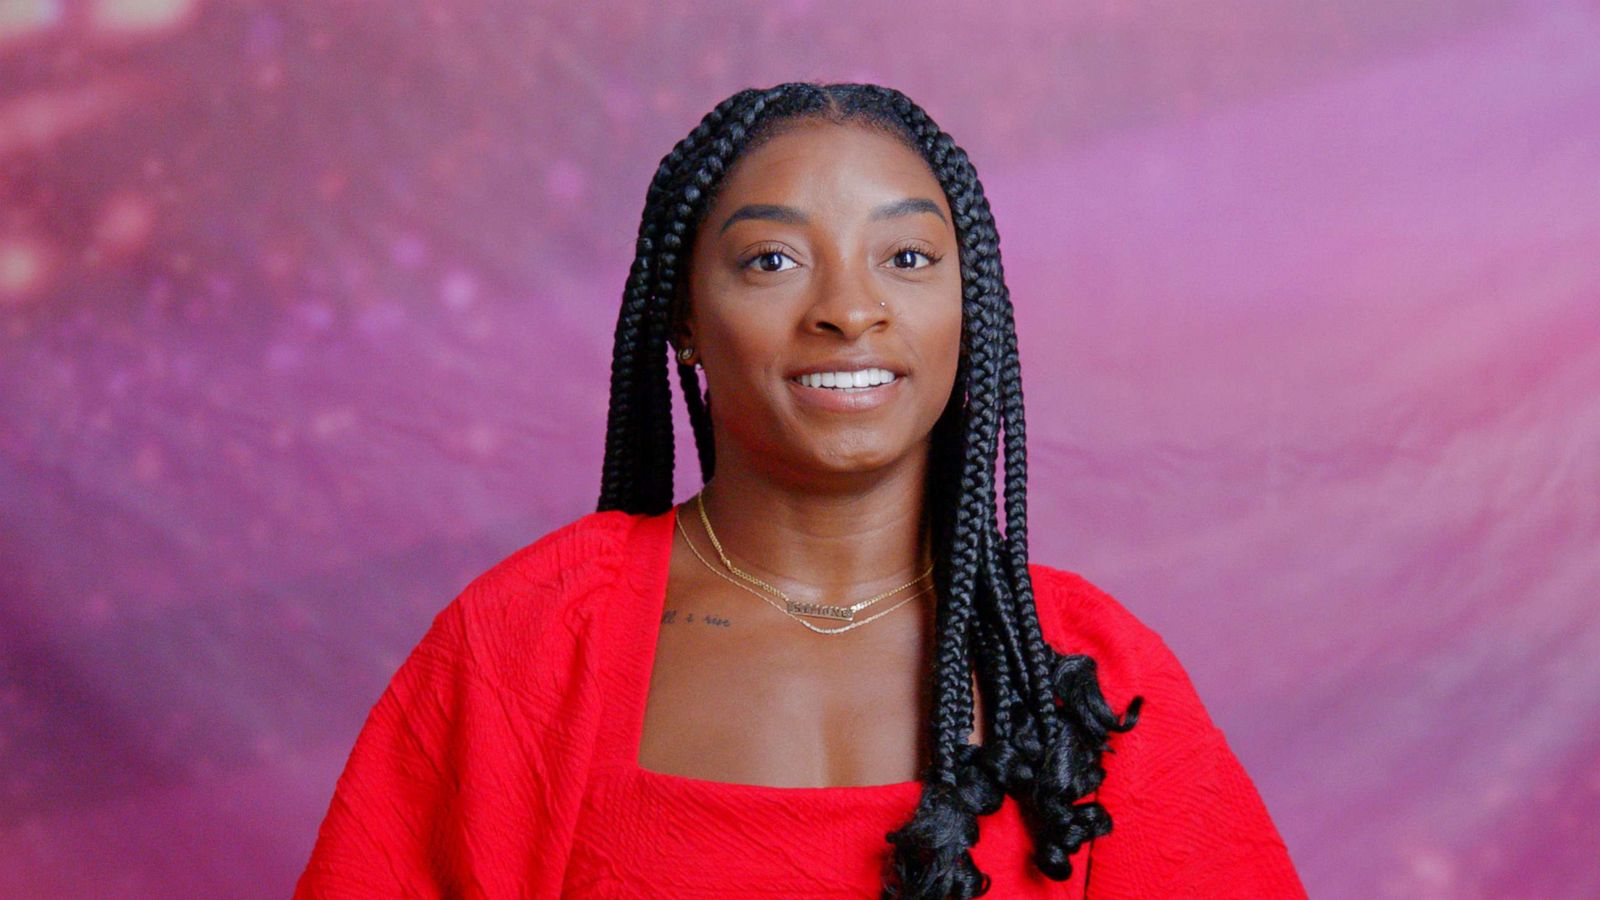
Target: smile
{"type": "Point", "coordinates": [858, 380]}
{"type": "Point", "coordinates": [847, 392]}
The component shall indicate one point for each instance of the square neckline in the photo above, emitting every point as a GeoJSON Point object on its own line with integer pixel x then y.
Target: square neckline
{"type": "Point", "coordinates": [655, 540]}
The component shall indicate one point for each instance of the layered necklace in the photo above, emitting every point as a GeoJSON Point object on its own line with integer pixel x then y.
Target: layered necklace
{"type": "Point", "coordinates": [798, 610]}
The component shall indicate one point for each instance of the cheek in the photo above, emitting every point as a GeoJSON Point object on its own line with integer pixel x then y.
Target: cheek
{"type": "Point", "coordinates": [740, 352]}
{"type": "Point", "coordinates": [948, 339]}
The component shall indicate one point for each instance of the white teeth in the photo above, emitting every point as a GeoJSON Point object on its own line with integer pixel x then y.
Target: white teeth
{"type": "Point", "coordinates": [860, 378]}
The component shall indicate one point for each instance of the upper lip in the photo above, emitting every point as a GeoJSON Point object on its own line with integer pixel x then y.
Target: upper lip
{"type": "Point", "coordinates": [849, 364]}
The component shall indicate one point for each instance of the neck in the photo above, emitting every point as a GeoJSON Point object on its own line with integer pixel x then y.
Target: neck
{"type": "Point", "coordinates": [819, 538]}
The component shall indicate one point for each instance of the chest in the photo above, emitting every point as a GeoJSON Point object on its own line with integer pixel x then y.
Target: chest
{"type": "Point", "coordinates": [741, 693]}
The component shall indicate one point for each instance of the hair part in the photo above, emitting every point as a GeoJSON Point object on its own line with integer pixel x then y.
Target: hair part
{"type": "Point", "coordinates": [1049, 722]}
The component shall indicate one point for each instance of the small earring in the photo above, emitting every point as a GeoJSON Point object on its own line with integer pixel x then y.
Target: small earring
{"type": "Point", "coordinates": [883, 304]}
{"type": "Point", "coordinates": [685, 355]}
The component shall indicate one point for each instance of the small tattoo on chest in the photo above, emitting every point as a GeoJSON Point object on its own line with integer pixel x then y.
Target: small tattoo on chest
{"type": "Point", "coordinates": [710, 620]}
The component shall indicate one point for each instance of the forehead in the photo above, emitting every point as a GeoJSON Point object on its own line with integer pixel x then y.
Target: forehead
{"type": "Point", "coordinates": [821, 164]}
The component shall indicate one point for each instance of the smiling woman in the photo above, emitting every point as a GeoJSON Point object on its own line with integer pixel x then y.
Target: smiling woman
{"type": "Point", "coordinates": [830, 674]}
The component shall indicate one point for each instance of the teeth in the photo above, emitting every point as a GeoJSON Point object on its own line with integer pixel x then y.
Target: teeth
{"type": "Point", "coordinates": [860, 378]}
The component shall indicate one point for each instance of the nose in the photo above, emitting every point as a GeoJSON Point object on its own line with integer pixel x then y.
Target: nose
{"type": "Point", "coordinates": [846, 302]}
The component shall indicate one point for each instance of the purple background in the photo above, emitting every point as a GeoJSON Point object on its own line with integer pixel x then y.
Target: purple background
{"type": "Point", "coordinates": [305, 320]}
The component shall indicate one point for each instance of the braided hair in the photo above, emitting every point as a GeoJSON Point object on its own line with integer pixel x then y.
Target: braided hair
{"type": "Point", "coordinates": [1049, 719]}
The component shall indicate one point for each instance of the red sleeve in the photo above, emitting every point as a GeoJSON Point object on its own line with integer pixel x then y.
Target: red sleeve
{"type": "Point", "coordinates": [1187, 821]}
{"type": "Point", "coordinates": [466, 779]}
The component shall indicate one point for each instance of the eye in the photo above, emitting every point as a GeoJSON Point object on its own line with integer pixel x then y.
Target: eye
{"type": "Point", "coordinates": [906, 258]}
{"type": "Point", "coordinates": [768, 259]}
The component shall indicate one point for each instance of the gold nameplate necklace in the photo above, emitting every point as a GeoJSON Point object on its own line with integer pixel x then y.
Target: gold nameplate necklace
{"type": "Point", "coordinates": [796, 608]}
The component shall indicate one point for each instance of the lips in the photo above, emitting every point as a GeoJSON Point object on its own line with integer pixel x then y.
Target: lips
{"type": "Point", "coordinates": [847, 363]}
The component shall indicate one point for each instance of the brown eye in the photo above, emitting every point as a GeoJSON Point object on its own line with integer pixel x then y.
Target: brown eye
{"type": "Point", "coordinates": [906, 258]}
{"type": "Point", "coordinates": [770, 261]}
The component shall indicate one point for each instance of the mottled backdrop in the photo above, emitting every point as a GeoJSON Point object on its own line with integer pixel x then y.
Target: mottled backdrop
{"type": "Point", "coordinates": [305, 320]}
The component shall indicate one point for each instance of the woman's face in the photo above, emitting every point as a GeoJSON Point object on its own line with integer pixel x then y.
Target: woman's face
{"type": "Point", "coordinates": [829, 251]}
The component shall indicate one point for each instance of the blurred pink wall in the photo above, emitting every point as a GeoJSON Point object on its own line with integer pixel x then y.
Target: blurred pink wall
{"type": "Point", "coordinates": [305, 320]}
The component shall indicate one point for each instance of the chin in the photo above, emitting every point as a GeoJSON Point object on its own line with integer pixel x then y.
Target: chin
{"type": "Point", "coordinates": [801, 445]}
{"type": "Point", "coordinates": [836, 460]}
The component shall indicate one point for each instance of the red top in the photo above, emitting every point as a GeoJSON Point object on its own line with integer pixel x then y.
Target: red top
{"type": "Point", "coordinates": [501, 761]}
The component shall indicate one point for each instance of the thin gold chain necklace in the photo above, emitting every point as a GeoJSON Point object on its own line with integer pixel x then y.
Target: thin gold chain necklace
{"type": "Point", "coordinates": [741, 585]}
{"type": "Point", "coordinates": [798, 607]}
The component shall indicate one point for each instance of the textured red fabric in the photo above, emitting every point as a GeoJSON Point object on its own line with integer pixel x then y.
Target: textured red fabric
{"type": "Point", "coordinates": [501, 761]}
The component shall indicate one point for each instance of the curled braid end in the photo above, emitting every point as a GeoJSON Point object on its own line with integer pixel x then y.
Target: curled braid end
{"type": "Point", "coordinates": [1063, 829]}
{"type": "Point", "coordinates": [980, 791]}
{"type": "Point", "coordinates": [932, 858]}
{"type": "Point", "coordinates": [1070, 766]}
{"type": "Point", "coordinates": [1077, 686]}
{"type": "Point", "coordinates": [1014, 763]}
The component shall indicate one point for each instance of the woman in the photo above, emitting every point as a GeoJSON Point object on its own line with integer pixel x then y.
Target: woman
{"type": "Point", "coordinates": [829, 673]}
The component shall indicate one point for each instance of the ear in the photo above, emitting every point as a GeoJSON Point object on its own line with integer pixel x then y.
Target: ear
{"type": "Point", "coordinates": [680, 320]}
{"type": "Point", "coordinates": [681, 334]}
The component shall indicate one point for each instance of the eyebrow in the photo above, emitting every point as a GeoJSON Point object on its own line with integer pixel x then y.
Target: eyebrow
{"type": "Point", "coordinates": [788, 215]}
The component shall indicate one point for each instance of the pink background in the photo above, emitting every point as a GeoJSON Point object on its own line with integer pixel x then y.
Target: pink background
{"type": "Point", "coordinates": [305, 320]}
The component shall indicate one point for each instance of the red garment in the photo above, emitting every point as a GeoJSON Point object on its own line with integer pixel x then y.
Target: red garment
{"type": "Point", "coordinates": [502, 762]}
